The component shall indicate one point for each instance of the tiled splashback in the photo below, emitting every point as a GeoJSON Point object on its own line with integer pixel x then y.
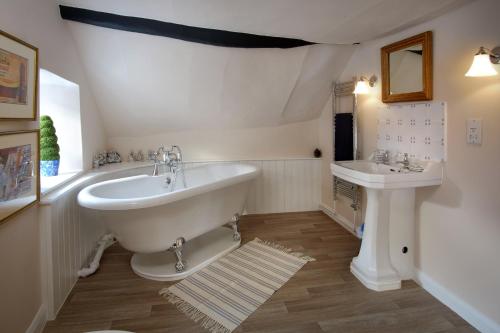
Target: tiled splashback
{"type": "Point", "coordinates": [416, 129]}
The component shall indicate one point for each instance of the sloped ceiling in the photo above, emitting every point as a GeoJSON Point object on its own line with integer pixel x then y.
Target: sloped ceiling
{"type": "Point", "coordinates": [147, 84]}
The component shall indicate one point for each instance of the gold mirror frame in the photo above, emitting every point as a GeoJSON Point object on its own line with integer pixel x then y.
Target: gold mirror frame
{"type": "Point", "coordinates": [426, 94]}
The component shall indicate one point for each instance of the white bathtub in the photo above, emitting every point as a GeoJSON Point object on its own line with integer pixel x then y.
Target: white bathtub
{"type": "Point", "coordinates": [145, 217]}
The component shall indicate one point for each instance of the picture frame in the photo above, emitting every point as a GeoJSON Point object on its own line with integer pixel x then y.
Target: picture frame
{"type": "Point", "coordinates": [18, 78]}
{"type": "Point", "coordinates": [19, 172]}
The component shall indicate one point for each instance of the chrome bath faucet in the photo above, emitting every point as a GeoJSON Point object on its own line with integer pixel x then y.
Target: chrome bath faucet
{"type": "Point", "coordinates": [172, 158]}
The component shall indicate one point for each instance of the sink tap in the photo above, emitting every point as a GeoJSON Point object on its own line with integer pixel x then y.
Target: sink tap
{"type": "Point", "coordinates": [386, 159]}
{"type": "Point", "coordinates": [405, 162]}
{"type": "Point", "coordinates": [382, 156]}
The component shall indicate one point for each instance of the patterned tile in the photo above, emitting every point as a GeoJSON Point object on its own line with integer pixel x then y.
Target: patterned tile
{"type": "Point", "coordinates": [417, 129]}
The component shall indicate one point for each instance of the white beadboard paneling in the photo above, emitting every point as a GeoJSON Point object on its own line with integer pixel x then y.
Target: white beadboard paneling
{"type": "Point", "coordinates": [302, 181]}
{"type": "Point", "coordinates": [285, 185]}
{"type": "Point", "coordinates": [67, 241]}
{"type": "Point", "coordinates": [271, 190]}
{"type": "Point", "coordinates": [255, 188]}
{"type": "Point", "coordinates": [70, 232]}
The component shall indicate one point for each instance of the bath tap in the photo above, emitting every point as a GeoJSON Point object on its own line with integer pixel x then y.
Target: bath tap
{"type": "Point", "coordinates": [156, 169]}
{"type": "Point", "coordinates": [172, 158]}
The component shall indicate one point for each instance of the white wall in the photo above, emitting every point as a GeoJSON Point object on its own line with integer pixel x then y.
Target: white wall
{"type": "Point", "coordinates": [287, 141]}
{"type": "Point", "coordinates": [458, 229]}
{"type": "Point", "coordinates": [38, 23]}
{"type": "Point", "coordinates": [60, 99]}
{"type": "Point", "coordinates": [150, 85]}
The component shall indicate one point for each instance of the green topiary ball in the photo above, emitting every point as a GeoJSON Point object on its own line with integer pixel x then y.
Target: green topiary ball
{"type": "Point", "coordinates": [46, 121]}
{"type": "Point", "coordinates": [49, 154]}
{"type": "Point", "coordinates": [49, 149]}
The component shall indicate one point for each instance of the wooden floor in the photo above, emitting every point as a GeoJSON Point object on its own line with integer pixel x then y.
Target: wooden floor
{"type": "Point", "coordinates": [322, 297]}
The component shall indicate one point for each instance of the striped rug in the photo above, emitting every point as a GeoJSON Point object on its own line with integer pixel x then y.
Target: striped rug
{"type": "Point", "coordinates": [222, 295]}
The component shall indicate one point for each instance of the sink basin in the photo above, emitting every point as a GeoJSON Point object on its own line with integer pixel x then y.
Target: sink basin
{"type": "Point", "coordinates": [380, 176]}
{"type": "Point", "coordinates": [390, 215]}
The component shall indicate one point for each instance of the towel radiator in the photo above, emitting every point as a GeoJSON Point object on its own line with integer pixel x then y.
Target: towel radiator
{"type": "Point", "coordinates": [341, 92]}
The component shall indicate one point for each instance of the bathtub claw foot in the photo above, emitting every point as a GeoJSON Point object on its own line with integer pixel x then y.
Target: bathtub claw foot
{"type": "Point", "coordinates": [180, 265]}
{"type": "Point", "coordinates": [235, 221]}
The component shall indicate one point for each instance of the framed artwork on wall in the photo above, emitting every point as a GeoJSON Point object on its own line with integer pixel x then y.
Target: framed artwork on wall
{"type": "Point", "coordinates": [19, 172]}
{"type": "Point", "coordinates": [18, 78]}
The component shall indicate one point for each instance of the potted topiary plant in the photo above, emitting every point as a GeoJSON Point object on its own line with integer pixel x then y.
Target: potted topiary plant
{"type": "Point", "coordinates": [49, 149]}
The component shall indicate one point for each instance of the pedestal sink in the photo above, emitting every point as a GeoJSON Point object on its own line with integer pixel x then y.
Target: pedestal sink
{"type": "Point", "coordinates": [390, 200]}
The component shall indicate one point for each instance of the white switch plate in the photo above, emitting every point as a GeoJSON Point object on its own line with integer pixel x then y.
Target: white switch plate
{"type": "Point", "coordinates": [474, 131]}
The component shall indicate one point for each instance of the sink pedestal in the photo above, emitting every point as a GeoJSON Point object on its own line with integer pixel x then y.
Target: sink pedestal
{"type": "Point", "coordinates": [374, 266]}
{"type": "Point", "coordinates": [387, 249]}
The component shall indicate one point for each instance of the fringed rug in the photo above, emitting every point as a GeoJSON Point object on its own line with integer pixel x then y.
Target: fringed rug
{"type": "Point", "coordinates": [222, 295]}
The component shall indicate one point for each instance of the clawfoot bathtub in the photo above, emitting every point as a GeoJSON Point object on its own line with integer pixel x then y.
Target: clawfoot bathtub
{"type": "Point", "coordinates": [149, 218]}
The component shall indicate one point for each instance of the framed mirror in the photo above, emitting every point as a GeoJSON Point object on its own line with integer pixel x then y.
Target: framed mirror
{"type": "Point", "coordinates": [407, 69]}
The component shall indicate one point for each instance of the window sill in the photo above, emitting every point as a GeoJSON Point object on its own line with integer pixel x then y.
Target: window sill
{"type": "Point", "coordinates": [48, 184]}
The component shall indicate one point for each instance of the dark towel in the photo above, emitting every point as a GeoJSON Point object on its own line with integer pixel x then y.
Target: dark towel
{"type": "Point", "coordinates": [344, 138]}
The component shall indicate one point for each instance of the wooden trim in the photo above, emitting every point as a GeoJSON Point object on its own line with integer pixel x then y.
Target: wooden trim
{"type": "Point", "coordinates": [37, 172]}
{"type": "Point", "coordinates": [35, 91]}
{"type": "Point", "coordinates": [427, 69]}
{"type": "Point", "coordinates": [187, 33]}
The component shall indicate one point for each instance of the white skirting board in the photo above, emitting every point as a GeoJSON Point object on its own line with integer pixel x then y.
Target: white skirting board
{"type": "Point", "coordinates": [474, 317]}
{"type": "Point", "coordinates": [38, 323]}
{"type": "Point", "coordinates": [69, 233]}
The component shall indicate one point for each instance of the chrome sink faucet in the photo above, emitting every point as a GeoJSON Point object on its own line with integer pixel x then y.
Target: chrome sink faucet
{"type": "Point", "coordinates": [405, 162]}
{"type": "Point", "coordinates": [382, 156]}
{"type": "Point", "coordinates": [386, 159]}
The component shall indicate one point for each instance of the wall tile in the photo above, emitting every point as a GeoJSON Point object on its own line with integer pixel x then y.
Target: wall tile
{"type": "Point", "coordinates": [417, 129]}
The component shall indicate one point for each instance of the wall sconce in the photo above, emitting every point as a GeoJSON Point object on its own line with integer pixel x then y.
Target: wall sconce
{"type": "Point", "coordinates": [363, 85]}
{"type": "Point", "coordinates": [482, 63]}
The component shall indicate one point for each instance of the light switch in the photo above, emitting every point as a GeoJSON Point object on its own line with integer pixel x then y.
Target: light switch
{"type": "Point", "coordinates": [474, 131]}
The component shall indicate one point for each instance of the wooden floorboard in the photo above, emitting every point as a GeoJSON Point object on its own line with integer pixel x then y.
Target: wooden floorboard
{"type": "Point", "coordinates": [322, 297]}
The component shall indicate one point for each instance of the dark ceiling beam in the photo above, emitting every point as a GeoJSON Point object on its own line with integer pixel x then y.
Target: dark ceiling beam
{"type": "Point", "coordinates": [178, 31]}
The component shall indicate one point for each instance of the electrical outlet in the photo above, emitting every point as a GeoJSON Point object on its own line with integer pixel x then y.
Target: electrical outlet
{"type": "Point", "coordinates": [474, 131]}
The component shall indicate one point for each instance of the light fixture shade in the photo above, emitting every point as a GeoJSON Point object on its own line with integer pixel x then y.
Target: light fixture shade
{"type": "Point", "coordinates": [481, 66]}
{"type": "Point", "coordinates": [362, 88]}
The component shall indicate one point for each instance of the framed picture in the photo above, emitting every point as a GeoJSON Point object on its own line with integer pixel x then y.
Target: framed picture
{"type": "Point", "coordinates": [18, 78]}
{"type": "Point", "coordinates": [19, 172]}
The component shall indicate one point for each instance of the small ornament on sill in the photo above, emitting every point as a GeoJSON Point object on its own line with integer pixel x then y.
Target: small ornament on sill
{"type": "Point", "coordinates": [317, 153]}
{"type": "Point", "coordinates": [99, 159]}
{"type": "Point", "coordinates": [140, 156]}
{"type": "Point", "coordinates": [49, 149]}
{"type": "Point", "coordinates": [95, 161]}
{"type": "Point", "coordinates": [113, 156]}
{"type": "Point", "coordinates": [131, 156]}
{"type": "Point", "coordinates": [135, 157]}
{"type": "Point", "coordinates": [102, 158]}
